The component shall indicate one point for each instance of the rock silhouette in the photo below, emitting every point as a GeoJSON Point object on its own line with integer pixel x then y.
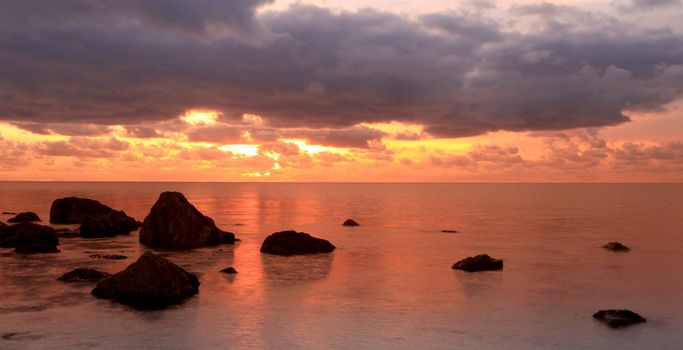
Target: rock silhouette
{"type": "Point", "coordinates": [619, 318]}
{"type": "Point", "coordinates": [449, 231]}
{"type": "Point", "coordinates": [481, 262]}
{"type": "Point", "coordinates": [25, 217]}
{"type": "Point", "coordinates": [616, 247]}
{"type": "Point", "coordinates": [350, 222]}
{"type": "Point", "coordinates": [229, 270]}
{"type": "Point", "coordinates": [107, 225]}
{"type": "Point", "coordinates": [108, 256]}
{"type": "Point", "coordinates": [152, 282]}
{"type": "Point", "coordinates": [28, 238]}
{"type": "Point", "coordinates": [173, 222]}
{"type": "Point", "coordinates": [96, 219]}
{"type": "Point", "coordinates": [83, 275]}
{"type": "Point", "coordinates": [295, 243]}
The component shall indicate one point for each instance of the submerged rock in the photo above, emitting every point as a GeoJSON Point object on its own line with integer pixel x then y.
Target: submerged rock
{"type": "Point", "coordinates": [295, 243]}
{"type": "Point", "coordinates": [229, 270]}
{"type": "Point", "coordinates": [83, 275]}
{"type": "Point", "coordinates": [108, 256]}
{"type": "Point", "coordinates": [481, 262]}
{"type": "Point", "coordinates": [173, 222]}
{"type": "Point", "coordinates": [27, 238]}
{"type": "Point", "coordinates": [114, 223]}
{"type": "Point", "coordinates": [449, 231]}
{"type": "Point", "coordinates": [350, 222]}
{"type": "Point", "coordinates": [152, 282]}
{"type": "Point", "coordinates": [616, 247]}
{"type": "Point", "coordinates": [67, 232]}
{"type": "Point", "coordinates": [27, 216]}
{"type": "Point", "coordinates": [619, 318]}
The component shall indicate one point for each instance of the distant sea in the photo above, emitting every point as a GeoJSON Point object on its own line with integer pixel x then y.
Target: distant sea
{"type": "Point", "coordinates": [389, 284]}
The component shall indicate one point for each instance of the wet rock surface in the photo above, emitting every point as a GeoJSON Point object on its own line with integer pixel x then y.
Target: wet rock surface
{"type": "Point", "coordinates": [481, 262]}
{"type": "Point", "coordinates": [151, 282]}
{"type": "Point", "coordinates": [350, 222]}
{"type": "Point", "coordinates": [616, 247]}
{"type": "Point", "coordinates": [25, 217]}
{"type": "Point", "coordinates": [173, 222]}
{"type": "Point", "coordinates": [295, 243]}
{"type": "Point", "coordinates": [83, 275]}
{"type": "Point", "coordinates": [618, 318]}
{"type": "Point", "coordinates": [108, 225]}
{"type": "Point", "coordinates": [29, 238]}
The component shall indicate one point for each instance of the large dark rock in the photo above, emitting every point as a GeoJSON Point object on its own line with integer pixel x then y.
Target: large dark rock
{"type": "Point", "coordinates": [25, 217]}
{"type": "Point", "coordinates": [114, 223]}
{"type": "Point", "coordinates": [73, 210]}
{"type": "Point", "coordinates": [616, 247]}
{"type": "Point", "coordinates": [618, 318]}
{"type": "Point", "coordinates": [295, 243]}
{"type": "Point", "coordinates": [481, 262]}
{"type": "Point", "coordinates": [173, 222]}
{"type": "Point", "coordinates": [152, 282]}
{"type": "Point", "coordinates": [350, 222]}
{"type": "Point", "coordinates": [96, 219]}
{"type": "Point", "coordinates": [27, 237]}
{"type": "Point", "coordinates": [83, 275]}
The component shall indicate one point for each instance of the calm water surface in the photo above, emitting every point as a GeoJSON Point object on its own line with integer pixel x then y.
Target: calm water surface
{"type": "Point", "coordinates": [389, 283]}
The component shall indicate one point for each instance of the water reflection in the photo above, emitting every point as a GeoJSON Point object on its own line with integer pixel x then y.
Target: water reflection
{"type": "Point", "coordinates": [285, 270]}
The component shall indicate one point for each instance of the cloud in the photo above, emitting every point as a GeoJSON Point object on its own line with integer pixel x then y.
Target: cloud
{"type": "Point", "coordinates": [65, 129]}
{"type": "Point", "coordinates": [456, 73]}
{"type": "Point", "coordinates": [646, 5]}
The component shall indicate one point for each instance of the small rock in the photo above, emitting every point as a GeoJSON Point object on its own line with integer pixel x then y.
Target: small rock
{"type": "Point", "coordinates": [8, 213]}
{"type": "Point", "coordinates": [230, 270]}
{"type": "Point", "coordinates": [295, 243]}
{"type": "Point", "coordinates": [152, 282]}
{"type": "Point", "coordinates": [449, 231]}
{"type": "Point", "coordinates": [29, 238]}
{"type": "Point", "coordinates": [481, 262]}
{"type": "Point", "coordinates": [619, 318]}
{"type": "Point", "coordinates": [83, 275]}
{"type": "Point", "coordinates": [25, 217]}
{"type": "Point", "coordinates": [616, 247]}
{"type": "Point", "coordinates": [350, 222]}
{"type": "Point", "coordinates": [173, 222]}
{"type": "Point", "coordinates": [108, 256]}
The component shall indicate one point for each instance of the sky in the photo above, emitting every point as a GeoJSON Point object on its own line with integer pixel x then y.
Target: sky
{"type": "Point", "coordinates": [385, 90]}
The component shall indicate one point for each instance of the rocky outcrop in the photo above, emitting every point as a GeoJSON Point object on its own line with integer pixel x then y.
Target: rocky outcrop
{"type": "Point", "coordinates": [616, 247]}
{"type": "Point", "coordinates": [96, 219]}
{"type": "Point", "coordinates": [230, 270]}
{"type": "Point", "coordinates": [173, 222]}
{"type": "Point", "coordinates": [28, 238]}
{"type": "Point", "coordinates": [25, 217]}
{"type": "Point", "coordinates": [481, 262]}
{"type": "Point", "coordinates": [350, 222]}
{"type": "Point", "coordinates": [152, 282]}
{"type": "Point", "coordinates": [619, 318]}
{"type": "Point", "coordinates": [83, 275]}
{"type": "Point", "coordinates": [295, 243]}
{"type": "Point", "coordinates": [107, 225]}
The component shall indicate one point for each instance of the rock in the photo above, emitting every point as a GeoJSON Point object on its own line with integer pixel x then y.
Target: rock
{"type": "Point", "coordinates": [350, 222]}
{"type": "Point", "coordinates": [25, 217]}
{"type": "Point", "coordinates": [295, 243]}
{"type": "Point", "coordinates": [152, 282]}
{"type": "Point", "coordinates": [175, 223]}
{"type": "Point", "coordinates": [481, 262]}
{"type": "Point", "coordinates": [83, 275]}
{"type": "Point", "coordinates": [73, 210]}
{"type": "Point", "coordinates": [108, 225]}
{"type": "Point", "coordinates": [67, 233]}
{"type": "Point", "coordinates": [618, 318]}
{"type": "Point", "coordinates": [449, 231]}
{"type": "Point", "coordinates": [616, 247]}
{"type": "Point", "coordinates": [27, 237]}
{"type": "Point", "coordinates": [229, 270]}
{"type": "Point", "coordinates": [8, 213]}
{"type": "Point", "coordinates": [108, 256]}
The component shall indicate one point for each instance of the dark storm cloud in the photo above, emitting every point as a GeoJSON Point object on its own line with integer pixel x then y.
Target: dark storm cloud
{"type": "Point", "coordinates": [459, 74]}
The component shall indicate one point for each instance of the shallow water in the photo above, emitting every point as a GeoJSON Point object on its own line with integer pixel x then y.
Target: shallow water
{"type": "Point", "coordinates": [389, 283]}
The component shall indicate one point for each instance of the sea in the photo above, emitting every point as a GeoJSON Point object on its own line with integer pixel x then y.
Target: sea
{"type": "Point", "coordinates": [388, 285]}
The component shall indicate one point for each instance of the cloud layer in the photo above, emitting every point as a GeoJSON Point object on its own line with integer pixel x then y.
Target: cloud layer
{"type": "Point", "coordinates": [456, 73]}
